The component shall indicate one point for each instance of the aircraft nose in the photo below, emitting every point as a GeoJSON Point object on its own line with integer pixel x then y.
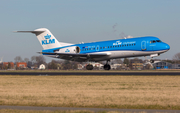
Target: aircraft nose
{"type": "Point", "coordinates": [167, 46]}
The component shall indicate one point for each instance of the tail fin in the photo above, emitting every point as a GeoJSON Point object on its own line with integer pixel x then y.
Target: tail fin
{"type": "Point", "coordinates": [45, 37]}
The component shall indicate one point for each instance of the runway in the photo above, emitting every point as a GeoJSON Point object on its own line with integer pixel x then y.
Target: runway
{"type": "Point", "coordinates": [87, 109]}
{"type": "Point", "coordinates": [93, 73]}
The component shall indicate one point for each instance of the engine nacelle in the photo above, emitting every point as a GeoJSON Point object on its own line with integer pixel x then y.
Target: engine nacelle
{"type": "Point", "coordinates": [73, 49]}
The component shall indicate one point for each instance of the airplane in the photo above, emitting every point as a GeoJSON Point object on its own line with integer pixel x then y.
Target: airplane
{"type": "Point", "coordinates": [99, 51]}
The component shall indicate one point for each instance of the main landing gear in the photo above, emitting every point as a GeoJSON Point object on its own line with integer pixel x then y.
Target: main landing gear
{"type": "Point", "coordinates": [89, 67]}
{"type": "Point", "coordinates": [107, 66]}
{"type": "Point", "coordinates": [152, 61]}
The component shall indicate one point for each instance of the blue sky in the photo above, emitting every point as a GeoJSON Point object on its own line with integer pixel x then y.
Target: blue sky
{"type": "Point", "coordinates": [77, 21]}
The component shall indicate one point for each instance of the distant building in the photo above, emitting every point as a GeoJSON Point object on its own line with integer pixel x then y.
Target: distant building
{"type": "Point", "coordinates": [116, 66]}
{"type": "Point", "coordinates": [80, 66]}
{"type": "Point", "coordinates": [136, 64]}
{"type": "Point", "coordinates": [98, 65]}
{"type": "Point", "coordinates": [8, 65]}
{"type": "Point", "coordinates": [162, 65]}
{"type": "Point", "coordinates": [175, 66]}
{"type": "Point", "coordinates": [42, 66]}
{"type": "Point", "coordinates": [95, 66]}
{"type": "Point", "coordinates": [21, 65]}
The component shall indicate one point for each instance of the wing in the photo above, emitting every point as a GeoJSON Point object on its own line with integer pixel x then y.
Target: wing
{"type": "Point", "coordinates": [77, 57]}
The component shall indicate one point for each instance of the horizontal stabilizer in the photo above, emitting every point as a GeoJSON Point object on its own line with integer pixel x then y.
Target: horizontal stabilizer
{"type": "Point", "coordinates": [35, 32]}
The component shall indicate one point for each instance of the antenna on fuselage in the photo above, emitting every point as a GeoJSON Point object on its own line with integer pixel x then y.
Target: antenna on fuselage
{"type": "Point", "coordinates": [81, 42]}
{"type": "Point", "coordinates": [129, 36]}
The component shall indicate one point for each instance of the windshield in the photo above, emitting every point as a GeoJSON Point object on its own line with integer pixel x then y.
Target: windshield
{"type": "Point", "coordinates": [154, 41]}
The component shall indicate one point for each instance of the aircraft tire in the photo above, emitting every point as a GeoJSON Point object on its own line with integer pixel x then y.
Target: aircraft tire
{"type": "Point", "coordinates": [107, 67]}
{"type": "Point", "coordinates": [89, 67]}
{"type": "Point", "coordinates": [152, 61]}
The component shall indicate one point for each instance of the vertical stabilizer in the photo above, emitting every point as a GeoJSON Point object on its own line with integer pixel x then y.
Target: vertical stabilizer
{"type": "Point", "coordinates": [45, 37]}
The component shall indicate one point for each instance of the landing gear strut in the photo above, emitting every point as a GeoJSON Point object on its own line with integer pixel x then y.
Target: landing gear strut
{"type": "Point", "coordinates": [107, 66]}
{"type": "Point", "coordinates": [89, 67]}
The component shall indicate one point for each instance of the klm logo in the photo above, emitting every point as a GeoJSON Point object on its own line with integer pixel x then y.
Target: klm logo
{"type": "Point", "coordinates": [67, 51]}
{"type": "Point", "coordinates": [117, 43]}
{"type": "Point", "coordinates": [47, 36]}
{"type": "Point", "coordinates": [48, 40]}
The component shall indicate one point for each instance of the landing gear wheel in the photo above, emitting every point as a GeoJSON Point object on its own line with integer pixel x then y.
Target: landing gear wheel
{"type": "Point", "coordinates": [89, 67]}
{"type": "Point", "coordinates": [107, 67]}
{"type": "Point", "coordinates": [152, 61]}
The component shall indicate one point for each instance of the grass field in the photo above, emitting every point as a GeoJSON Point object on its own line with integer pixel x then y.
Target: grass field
{"type": "Point", "coordinates": [46, 111]}
{"type": "Point", "coordinates": [136, 92]}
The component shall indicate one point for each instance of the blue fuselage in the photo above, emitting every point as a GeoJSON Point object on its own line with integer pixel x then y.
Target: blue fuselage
{"type": "Point", "coordinates": [121, 48]}
{"type": "Point", "coordinates": [133, 44]}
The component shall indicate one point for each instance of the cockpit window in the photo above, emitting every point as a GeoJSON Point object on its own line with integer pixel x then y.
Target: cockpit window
{"type": "Point", "coordinates": [154, 41]}
{"type": "Point", "coordinates": [158, 41]}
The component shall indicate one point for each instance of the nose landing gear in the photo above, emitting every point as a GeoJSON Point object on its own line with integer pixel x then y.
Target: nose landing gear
{"type": "Point", "coordinates": [152, 61]}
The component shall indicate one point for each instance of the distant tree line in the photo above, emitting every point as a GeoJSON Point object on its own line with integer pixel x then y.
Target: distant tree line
{"type": "Point", "coordinates": [35, 61]}
{"type": "Point", "coordinates": [54, 64]}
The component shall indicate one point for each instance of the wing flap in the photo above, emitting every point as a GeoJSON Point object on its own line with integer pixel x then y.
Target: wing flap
{"type": "Point", "coordinates": [79, 55]}
{"type": "Point", "coordinates": [76, 57]}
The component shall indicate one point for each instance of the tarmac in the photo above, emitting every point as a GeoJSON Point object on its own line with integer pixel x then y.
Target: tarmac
{"type": "Point", "coordinates": [94, 73]}
{"type": "Point", "coordinates": [87, 109]}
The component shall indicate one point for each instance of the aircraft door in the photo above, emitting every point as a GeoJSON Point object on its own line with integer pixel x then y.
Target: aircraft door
{"type": "Point", "coordinates": [97, 48]}
{"type": "Point", "coordinates": [143, 45]}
